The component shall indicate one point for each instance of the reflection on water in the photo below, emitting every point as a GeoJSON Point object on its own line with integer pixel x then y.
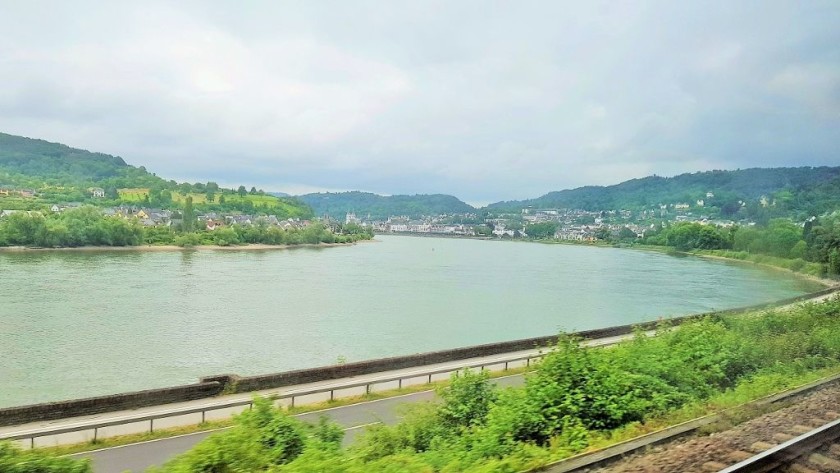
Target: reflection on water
{"type": "Point", "coordinates": [124, 320]}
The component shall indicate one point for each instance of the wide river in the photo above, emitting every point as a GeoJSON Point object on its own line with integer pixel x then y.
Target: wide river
{"type": "Point", "coordinates": [76, 324]}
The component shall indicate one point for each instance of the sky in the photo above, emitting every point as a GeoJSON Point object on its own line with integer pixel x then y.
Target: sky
{"type": "Point", "coordinates": [484, 100]}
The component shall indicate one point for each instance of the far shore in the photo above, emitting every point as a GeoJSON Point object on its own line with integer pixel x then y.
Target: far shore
{"type": "Point", "coordinates": [153, 248]}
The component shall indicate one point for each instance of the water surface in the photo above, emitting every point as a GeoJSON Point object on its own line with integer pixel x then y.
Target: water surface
{"type": "Point", "coordinates": [76, 324]}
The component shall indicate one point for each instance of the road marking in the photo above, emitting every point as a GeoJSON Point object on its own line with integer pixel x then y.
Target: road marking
{"type": "Point", "coordinates": [295, 415]}
{"type": "Point", "coordinates": [361, 426]}
{"type": "Point", "coordinates": [148, 441]}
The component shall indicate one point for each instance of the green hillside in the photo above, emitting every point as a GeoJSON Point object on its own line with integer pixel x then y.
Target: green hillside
{"type": "Point", "coordinates": [381, 207]}
{"type": "Point", "coordinates": [803, 190]}
{"type": "Point", "coordinates": [59, 173]}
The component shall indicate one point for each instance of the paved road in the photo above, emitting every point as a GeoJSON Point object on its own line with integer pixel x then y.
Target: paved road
{"type": "Point", "coordinates": [137, 457]}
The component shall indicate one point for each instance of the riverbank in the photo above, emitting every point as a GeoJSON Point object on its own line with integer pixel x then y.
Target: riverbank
{"type": "Point", "coordinates": [249, 247]}
{"type": "Point", "coordinates": [828, 283]}
{"type": "Point", "coordinates": [750, 259]}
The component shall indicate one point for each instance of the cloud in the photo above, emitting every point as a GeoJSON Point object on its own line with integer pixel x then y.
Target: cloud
{"type": "Point", "coordinates": [487, 101]}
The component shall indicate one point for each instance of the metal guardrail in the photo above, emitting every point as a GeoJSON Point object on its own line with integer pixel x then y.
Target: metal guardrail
{"type": "Point", "coordinates": [789, 451]}
{"type": "Point", "coordinates": [31, 435]}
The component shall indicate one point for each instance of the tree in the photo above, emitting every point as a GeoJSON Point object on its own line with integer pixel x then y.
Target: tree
{"type": "Point", "coordinates": [189, 215]}
{"type": "Point", "coordinates": [241, 191]}
{"type": "Point", "coordinates": [626, 234]}
{"type": "Point", "coordinates": [541, 230]}
{"type": "Point", "coordinates": [253, 191]}
{"type": "Point", "coordinates": [467, 399]}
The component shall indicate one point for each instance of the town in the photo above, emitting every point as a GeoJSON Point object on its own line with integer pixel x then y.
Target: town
{"type": "Point", "coordinates": [560, 224]}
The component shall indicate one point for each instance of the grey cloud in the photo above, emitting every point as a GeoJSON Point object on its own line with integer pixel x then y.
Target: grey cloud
{"type": "Point", "coordinates": [484, 100]}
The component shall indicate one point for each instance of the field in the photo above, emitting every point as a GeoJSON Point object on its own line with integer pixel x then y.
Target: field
{"type": "Point", "coordinates": [138, 194]}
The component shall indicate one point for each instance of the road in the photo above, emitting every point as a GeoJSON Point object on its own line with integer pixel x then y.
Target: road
{"type": "Point", "coordinates": [354, 418]}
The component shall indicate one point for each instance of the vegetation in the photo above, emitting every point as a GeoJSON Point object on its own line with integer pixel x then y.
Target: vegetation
{"type": "Point", "coordinates": [798, 193]}
{"type": "Point", "coordinates": [576, 398]}
{"type": "Point", "coordinates": [14, 460]}
{"type": "Point", "coordinates": [813, 248]}
{"type": "Point", "coordinates": [382, 207]}
{"type": "Point", "coordinates": [86, 226]}
{"type": "Point", "coordinates": [59, 174]}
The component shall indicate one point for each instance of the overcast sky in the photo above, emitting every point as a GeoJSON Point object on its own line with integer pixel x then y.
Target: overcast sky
{"type": "Point", "coordinates": [484, 100]}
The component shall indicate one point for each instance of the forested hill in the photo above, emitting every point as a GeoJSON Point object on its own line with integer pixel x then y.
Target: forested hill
{"type": "Point", "coordinates": [58, 173]}
{"type": "Point", "coordinates": [805, 189]}
{"type": "Point", "coordinates": [381, 207]}
{"type": "Point", "coordinates": [28, 162]}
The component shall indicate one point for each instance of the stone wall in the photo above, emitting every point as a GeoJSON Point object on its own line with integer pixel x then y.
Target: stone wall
{"type": "Point", "coordinates": [100, 404]}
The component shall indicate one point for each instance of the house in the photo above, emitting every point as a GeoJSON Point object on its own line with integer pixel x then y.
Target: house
{"type": "Point", "coordinates": [214, 224]}
{"type": "Point", "coordinates": [97, 192]}
{"type": "Point", "coordinates": [351, 218]}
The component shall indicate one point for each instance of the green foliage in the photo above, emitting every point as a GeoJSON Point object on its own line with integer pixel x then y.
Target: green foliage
{"type": "Point", "coordinates": [84, 226]}
{"type": "Point", "coordinates": [262, 437]}
{"type": "Point", "coordinates": [62, 174]}
{"type": "Point", "coordinates": [15, 460]}
{"type": "Point", "coordinates": [382, 207]}
{"type": "Point", "coordinates": [541, 230]}
{"type": "Point", "coordinates": [467, 399]}
{"type": "Point", "coordinates": [798, 193]}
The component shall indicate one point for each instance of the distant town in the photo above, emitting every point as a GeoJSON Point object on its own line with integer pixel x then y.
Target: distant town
{"type": "Point", "coordinates": [565, 224]}
{"type": "Point", "coordinates": [560, 224]}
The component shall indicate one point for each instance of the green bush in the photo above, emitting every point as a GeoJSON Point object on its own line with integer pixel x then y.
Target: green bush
{"type": "Point", "coordinates": [15, 460]}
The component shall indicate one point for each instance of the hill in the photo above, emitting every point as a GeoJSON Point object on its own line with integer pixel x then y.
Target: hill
{"type": "Point", "coordinates": [381, 207]}
{"type": "Point", "coordinates": [28, 162]}
{"type": "Point", "coordinates": [60, 173]}
{"type": "Point", "coordinates": [802, 190]}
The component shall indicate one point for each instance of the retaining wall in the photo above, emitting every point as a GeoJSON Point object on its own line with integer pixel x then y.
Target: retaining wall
{"type": "Point", "coordinates": [114, 402]}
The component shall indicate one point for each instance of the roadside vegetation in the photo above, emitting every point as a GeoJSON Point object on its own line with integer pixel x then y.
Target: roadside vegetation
{"type": "Point", "coordinates": [576, 399]}
{"type": "Point", "coordinates": [15, 460]}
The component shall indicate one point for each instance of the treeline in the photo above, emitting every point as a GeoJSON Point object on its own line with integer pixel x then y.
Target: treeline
{"type": "Point", "coordinates": [381, 207]}
{"type": "Point", "coordinates": [818, 241]}
{"type": "Point", "coordinates": [312, 234]}
{"type": "Point", "coordinates": [86, 226]}
{"type": "Point", "coordinates": [791, 192]}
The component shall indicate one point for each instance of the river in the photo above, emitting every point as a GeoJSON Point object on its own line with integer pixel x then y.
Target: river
{"type": "Point", "coordinates": [76, 324]}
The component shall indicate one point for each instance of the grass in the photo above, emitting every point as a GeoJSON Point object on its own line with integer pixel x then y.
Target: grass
{"type": "Point", "coordinates": [139, 194]}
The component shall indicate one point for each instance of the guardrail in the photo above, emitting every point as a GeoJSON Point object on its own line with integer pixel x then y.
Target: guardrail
{"type": "Point", "coordinates": [94, 426]}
